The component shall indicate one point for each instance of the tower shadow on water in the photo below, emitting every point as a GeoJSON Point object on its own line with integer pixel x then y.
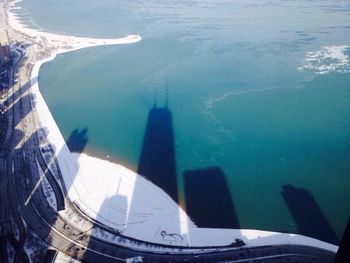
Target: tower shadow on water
{"type": "Point", "coordinates": [208, 199]}
{"type": "Point", "coordinates": [77, 140]}
{"type": "Point", "coordinates": [307, 214]}
{"type": "Point", "coordinates": [157, 158]}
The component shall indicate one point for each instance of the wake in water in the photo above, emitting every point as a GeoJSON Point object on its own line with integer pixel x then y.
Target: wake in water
{"type": "Point", "coordinates": [327, 60]}
{"type": "Point", "coordinates": [210, 103]}
{"type": "Point", "coordinates": [227, 134]}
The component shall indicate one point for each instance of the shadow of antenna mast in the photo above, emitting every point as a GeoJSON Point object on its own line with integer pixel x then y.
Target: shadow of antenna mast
{"type": "Point", "coordinates": [166, 94]}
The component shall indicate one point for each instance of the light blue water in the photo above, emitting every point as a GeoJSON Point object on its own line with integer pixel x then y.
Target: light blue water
{"type": "Point", "coordinates": [237, 98]}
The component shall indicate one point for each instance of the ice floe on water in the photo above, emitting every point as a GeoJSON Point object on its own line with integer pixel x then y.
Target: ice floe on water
{"type": "Point", "coordinates": [326, 60]}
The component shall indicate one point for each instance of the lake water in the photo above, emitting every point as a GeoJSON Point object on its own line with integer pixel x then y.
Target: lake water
{"type": "Point", "coordinates": [242, 106]}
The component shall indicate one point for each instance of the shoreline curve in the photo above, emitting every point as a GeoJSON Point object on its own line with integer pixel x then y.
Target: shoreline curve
{"type": "Point", "coordinates": [70, 164]}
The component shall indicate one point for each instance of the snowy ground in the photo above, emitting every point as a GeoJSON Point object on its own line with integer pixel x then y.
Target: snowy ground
{"type": "Point", "coordinates": [59, 43]}
{"type": "Point", "coordinates": [62, 258]}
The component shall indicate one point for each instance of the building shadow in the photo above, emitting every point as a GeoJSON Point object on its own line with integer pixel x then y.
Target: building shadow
{"type": "Point", "coordinates": [208, 199]}
{"type": "Point", "coordinates": [24, 110]}
{"type": "Point", "coordinates": [157, 158]}
{"type": "Point", "coordinates": [114, 212]}
{"type": "Point", "coordinates": [77, 140]}
{"type": "Point", "coordinates": [307, 214]}
{"type": "Point", "coordinates": [20, 91]}
{"type": "Point", "coordinates": [343, 254]}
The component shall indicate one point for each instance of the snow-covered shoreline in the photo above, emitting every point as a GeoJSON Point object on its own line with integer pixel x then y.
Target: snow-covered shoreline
{"type": "Point", "coordinates": [59, 42]}
{"type": "Point", "coordinates": [115, 195]}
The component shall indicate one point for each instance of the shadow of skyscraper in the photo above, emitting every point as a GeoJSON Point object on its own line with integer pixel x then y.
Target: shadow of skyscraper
{"type": "Point", "coordinates": [308, 215]}
{"type": "Point", "coordinates": [343, 254]}
{"type": "Point", "coordinates": [157, 158]}
{"type": "Point", "coordinates": [208, 200]}
{"type": "Point", "coordinates": [77, 140]}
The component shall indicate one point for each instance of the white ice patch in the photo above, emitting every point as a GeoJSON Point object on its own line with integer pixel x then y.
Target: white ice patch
{"type": "Point", "coordinates": [328, 59]}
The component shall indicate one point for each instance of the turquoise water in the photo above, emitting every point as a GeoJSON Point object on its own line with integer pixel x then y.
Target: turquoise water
{"type": "Point", "coordinates": [241, 80]}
